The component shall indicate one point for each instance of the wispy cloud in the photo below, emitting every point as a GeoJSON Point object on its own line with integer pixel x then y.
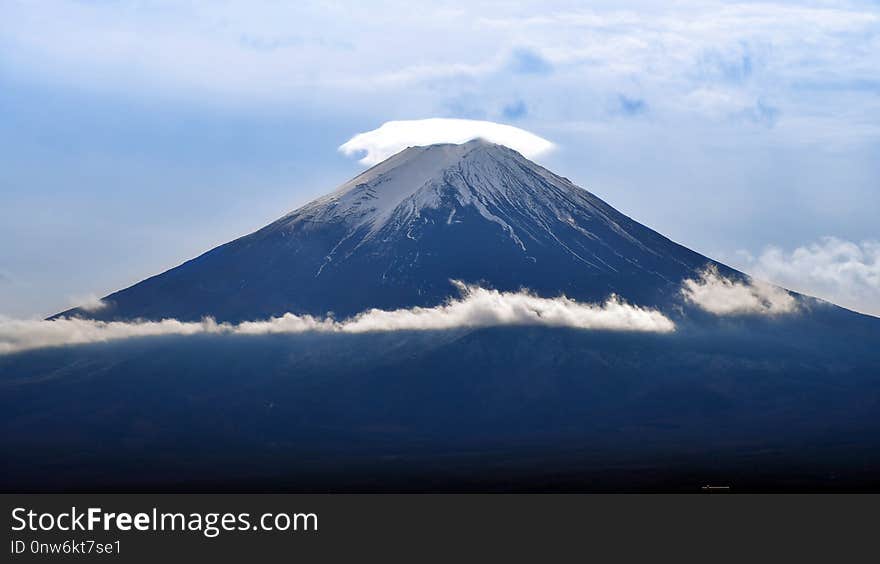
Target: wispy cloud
{"type": "Point", "coordinates": [844, 272]}
{"type": "Point", "coordinates": [394, 136]}
{"type": "Point", "coordinates": [279, 50]}
{"type": "Point", "coordinates": [722, 296]}
{"type": "Point", "coordinates": [478, 307]}
{"type": "Point", "coordinates": [24, 334]}
{"type": "Point", "coordinates": [90, 303]}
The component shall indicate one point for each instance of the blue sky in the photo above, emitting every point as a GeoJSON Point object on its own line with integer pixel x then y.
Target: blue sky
{"type": "Point", "coordinates": [135, 135]}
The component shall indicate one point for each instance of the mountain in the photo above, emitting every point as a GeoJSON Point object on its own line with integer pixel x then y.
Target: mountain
{"type": "Point", "coordinates": [396, 234]}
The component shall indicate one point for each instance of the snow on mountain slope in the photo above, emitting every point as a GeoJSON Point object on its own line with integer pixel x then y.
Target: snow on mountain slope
{"type": "Point", "coordinates": [371, 197]}
{"type": "Point", "coordinates": [397, 233]}
{"type": "Point", "coordinates": [483, 174]}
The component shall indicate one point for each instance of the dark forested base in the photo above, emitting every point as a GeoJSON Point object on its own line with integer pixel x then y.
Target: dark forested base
{"type": "Point", "coordinates": [760, 406]}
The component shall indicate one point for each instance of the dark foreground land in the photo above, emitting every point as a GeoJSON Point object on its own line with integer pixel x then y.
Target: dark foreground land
{"type": "Point", "coordinates": [756, 406]}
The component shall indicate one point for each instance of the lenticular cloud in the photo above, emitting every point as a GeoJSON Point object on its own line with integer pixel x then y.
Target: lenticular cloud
{"type": "Point", "coordinates": [477, 307]}
{"type": "Point", "coordinates": [395, 136]}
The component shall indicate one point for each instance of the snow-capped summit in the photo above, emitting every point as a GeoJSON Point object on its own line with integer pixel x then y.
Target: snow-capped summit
{"type": "Point", "coordinates": [397, 233]}
{"type": "Point", "coordinates": [374, 195]}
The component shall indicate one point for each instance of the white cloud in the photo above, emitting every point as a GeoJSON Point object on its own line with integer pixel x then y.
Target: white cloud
{"type": "Point", "coordinates": [699, 59]}
{"type": "Point", "coordinates": [840, 271]}
{"type": "Point", "coordinates": [478, 307]}
{"type": "Point", "coordinates": [723, 296]}
{"type": "Point", "coordinates": [719, 102]}
{"type": "Point", "coordinates": [481, 307]}
{"type": "Point", "coordinates": [23, 334]}
{"type": "Point", "coordinates": [394, 136]}
{"type": "Point", "coordinates": [283, 44]}
{"type": "Point", "coordinates": [90, 303]}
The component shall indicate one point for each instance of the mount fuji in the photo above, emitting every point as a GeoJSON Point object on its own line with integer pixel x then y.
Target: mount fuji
{"type": "Point", "coordinates": [784, 399]}
{"type": "Point", "coordinates": [395, 235]}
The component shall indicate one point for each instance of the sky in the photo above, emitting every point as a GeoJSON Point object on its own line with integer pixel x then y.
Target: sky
{"type": "Point", "coordinates": [136, 135]}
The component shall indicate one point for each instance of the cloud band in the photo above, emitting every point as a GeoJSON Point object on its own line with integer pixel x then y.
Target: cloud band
{"type": "Point", "coordinates": [478, 307]}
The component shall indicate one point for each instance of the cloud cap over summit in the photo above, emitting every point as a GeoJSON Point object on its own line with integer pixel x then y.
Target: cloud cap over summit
{"type": "Point", "coordinates": [394, 136]}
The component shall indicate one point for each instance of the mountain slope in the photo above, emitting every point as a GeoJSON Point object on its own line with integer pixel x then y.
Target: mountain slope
{"type": "Point", "coordinates": [396, 234]}
{"type": "Point", "coordinates": [501, 408]}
